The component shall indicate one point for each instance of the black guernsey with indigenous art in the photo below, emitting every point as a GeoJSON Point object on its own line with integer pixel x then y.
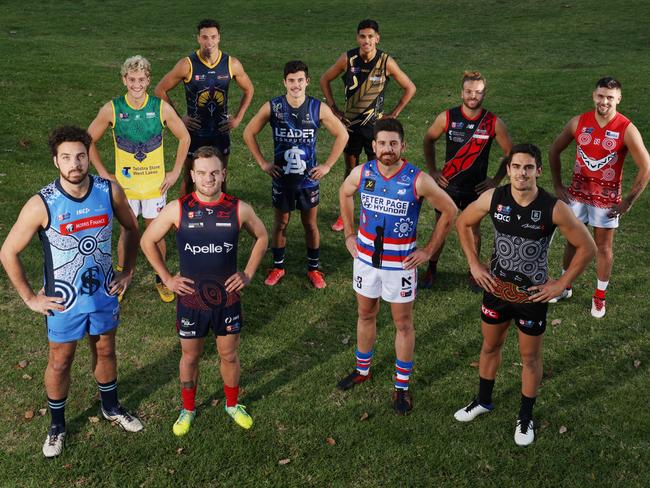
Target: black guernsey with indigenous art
{"type": "Point", "coordinates": [522, 236]}
{"type": "Point", "coordinates": [365, 83]}
{"type": "Point", "coordinates": [207, 240]}
{"type": "Point", "coordinates": [467, 150]}
{"type": "Point", "coordinates": [206, 92]}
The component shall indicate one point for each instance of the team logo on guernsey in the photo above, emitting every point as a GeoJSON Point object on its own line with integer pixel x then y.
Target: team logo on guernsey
{"type": "Point", "coordinates": [457, 125]}
{"type": "Point", "coordinates": [197, 214]}
{"type": "Point", "coordinates": [404, 227]}
{"type": "Point", "coordinates": [535, 215]}
{"type": "Point", "coordinates": [123, 116]}
{"type": "Point", "coordinates": [64, 216]}
{"type": "Point", "coordinates": [404, 180]}
{"type": "Point", "coordinates": [596, 164]}
{"type": "Point", "coordinates": [295, 163]}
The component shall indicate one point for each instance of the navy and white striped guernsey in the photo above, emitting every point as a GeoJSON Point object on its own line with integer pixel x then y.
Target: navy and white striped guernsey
{"type": "Point", "coordinates": [294, 140]}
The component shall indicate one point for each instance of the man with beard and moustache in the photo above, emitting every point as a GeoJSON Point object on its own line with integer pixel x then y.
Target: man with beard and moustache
{"type": "Point", "coordinates": [206, 75]}
{"type": "Point", "coordinates": [469, 130]}
{"type": "Point", "coordinates": [295, 119]}
{"type": "Point", "coordinates": [516, 283]}
{"type": "Point", "coordinates": [138, 122]}
{"type": "Point", "coordinates": [366, 71]}
{"type": "Point", "coordinates": [384, 249]}
{"type": "Point", "coordinates": [73, 217]}
{"type": "Point", "coordinates": [208, 223]}
{"type": "Point", "coordinates": [603, 137]}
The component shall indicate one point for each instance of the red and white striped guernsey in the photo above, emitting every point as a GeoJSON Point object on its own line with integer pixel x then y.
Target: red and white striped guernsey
{"type": "Point", "coordinates": [600, 153]}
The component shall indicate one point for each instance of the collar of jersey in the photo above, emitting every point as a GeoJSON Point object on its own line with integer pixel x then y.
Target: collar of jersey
{"type": "Point", "coordinates": [198, 54]}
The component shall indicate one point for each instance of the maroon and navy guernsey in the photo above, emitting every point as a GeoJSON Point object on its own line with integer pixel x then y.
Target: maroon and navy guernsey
{"type": "Point", "coordinates": [388, 222]}
{"type": "Point", "coordinates": [207, 239]}
{"type": "Point", "coordinates": [467, 150]}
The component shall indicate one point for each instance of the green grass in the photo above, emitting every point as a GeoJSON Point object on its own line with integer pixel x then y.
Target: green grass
{"type": "Point", "coordinates": [61, 62]}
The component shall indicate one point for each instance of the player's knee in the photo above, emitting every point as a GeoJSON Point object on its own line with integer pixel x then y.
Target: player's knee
{"type": "Point", "coordinates": [531, 361]}
{"type": "Point", "coordinates": [229, 356]}
{"type": "Point", "coordinates": [367, 314]}
{"type": "Point", "coordinates": [404, 324]}
{"type": "Point", "coordinates": [491, 347]}
{"type": "Point", "coordinates": [190, 358]}
{"type": "Point", "coordinates": [59, 365]}
{"type": "Point", "coordinates": [605, 252]}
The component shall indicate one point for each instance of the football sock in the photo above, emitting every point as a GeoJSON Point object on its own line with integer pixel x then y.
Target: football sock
{"type": "Point", "coordinates": [57, 411]}
{"type": "Point", "coordinates": [278, 257]}
{"type": "Point", "coordinates": [232, 394]}
{"type": "Point", "coordinates": [364, 359]}
{"type": "Point", "coordinates": [600, 294]}
{"type": "Point", "coordinates": [433, 266]}
{"type": "Point", "coordinates": [188, 396]}
{"type": "Point", "coordinates": [313, 258]}
{"type": "Point", "coordinates": [485, 388]}
{"type": "Point", "coordinates": [158, 280]}
{"type": "Point", "coordinates": [108, 395]}
{"type": "Point", "coordinates": [526, 407]}
{"type": "Point", "coordinates": [403, 370]}
{"type": "Point", "coordinates": [602, 286]}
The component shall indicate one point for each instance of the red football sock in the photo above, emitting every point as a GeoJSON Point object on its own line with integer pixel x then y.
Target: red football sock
{"type": "Point", "coordinates": [600, 294]}
{"type": "Point", "coordinates": [188, 395]}
{"type": "Point", "coordinates": [232, 394]}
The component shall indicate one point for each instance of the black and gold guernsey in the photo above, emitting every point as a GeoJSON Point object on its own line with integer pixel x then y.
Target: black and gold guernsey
{"type": "Point", "coordinates": [206, 92]}
{"type": "Point", "coordinates": [522, 236]}
{"type": "Point", "coordinates": [365, 83]}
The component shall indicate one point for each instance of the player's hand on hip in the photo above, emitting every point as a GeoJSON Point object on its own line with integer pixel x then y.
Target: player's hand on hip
{"type": "Point", "coordinates": [562, 193]}
{"type": "Point", "coordinates": [481, 273]}
{"type": "Point", "coordinates": [416, 258]}
{"type": "Point", "coordinates": [43, 304]}
{"type": "Point", "coordinates": [120, 283]}
{"type": "Point", "coordinates": [237, 281]}
{"type": "Point", "coordinates": [319, 171]}
{"type": "Point", "coordinates": [351, 245]}
{"type": "Point", "coordinates": [180, 285]}
{"type": "Point", "coordinates": [272, 170]}
{"type": "Point", "coordinates": [485, 185]}
{"type": "Point", "coordinates": [439, 179]}
{"type": "Point", "coordinates": [191, 123]}
{"type": "Point", "coordinates": [618, 210]}
{"type": "Point", "coordinates": [543, 293]}
{"type": "Point", "coordinates": [169, 181]}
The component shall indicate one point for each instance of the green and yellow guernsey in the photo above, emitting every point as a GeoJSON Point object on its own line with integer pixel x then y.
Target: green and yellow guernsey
{"type": "Point", "coordinates": [138, 137]}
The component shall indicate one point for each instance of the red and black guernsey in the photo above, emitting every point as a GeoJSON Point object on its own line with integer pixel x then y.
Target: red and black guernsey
{"type": "Point", "coordinates": [207, 239]}
{"type": "Point", "coordinates": [522, 236]}
{"type": "Point", "coordinates": [468, 150]}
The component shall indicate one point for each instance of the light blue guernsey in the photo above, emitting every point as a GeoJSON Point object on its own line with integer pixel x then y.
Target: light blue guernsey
{"type": "Point", "coordinates": [77, 247]}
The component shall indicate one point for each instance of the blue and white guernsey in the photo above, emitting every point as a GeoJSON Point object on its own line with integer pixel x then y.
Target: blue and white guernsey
{"type": "Point", "coordinates": [389, 215]}
{"type": "Point", "coordinates": [294, 140]}
{"type": "Point", "coordinates": [77, 247]}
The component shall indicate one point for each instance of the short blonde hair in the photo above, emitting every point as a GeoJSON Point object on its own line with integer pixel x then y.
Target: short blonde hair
{"type": "Point", "coordinates": [473, 75]}
{"type": "Point", "coordinates": [136, 63]}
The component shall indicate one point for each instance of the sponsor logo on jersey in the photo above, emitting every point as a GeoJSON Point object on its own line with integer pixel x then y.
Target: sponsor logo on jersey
{"type": "Point", "coordinates": [504, 209]}
{"type": "Point", "coordinates": [126, 172]}
{"type": "Point", "coordinates": [223, 224]}
{"type": "Point", "coordinates": [221, 214]}
{"type": "Point", "coordinates": [376, 79]}
{"type": "Point", "coordinates": [150, 115]}
{"type": "Point", "coordinates": [64, 216]}
{"type": "Point", "coordinates": [209, 249]}
{"type": "Point", "coordinates": [488, 312]}
{"type": "Point", "coordinates": [82, 211]}
{"type": "Point", "coordinates": [123, 116]}
{"type": "Point", "coordinates": [369, 185]}
{"type": "Point", "coordinates": [480, 136]}
{"type": "Point", "coordinates": [199, 77]}
{"type": "Point", "coordinates": [292, 133]}
{"type": "Point", "coordinates": [457, 125]}
{"type": "Point", "coordinates": [588, 130]}
{"type": "Point", "coordinates": [196, 214]}
{"type": "Point", "coordinates": [195, 225]}
{"type": "Point", "coordinates": [223, 77]}
{"type": "Point", "coordinates": [528, 323]}
{"type": "Point", "coordinates": [385, 205]}
{"type": "Point", "coordinates": [611, 134]}
{"type": "Point", "coordinates": [84, 224]}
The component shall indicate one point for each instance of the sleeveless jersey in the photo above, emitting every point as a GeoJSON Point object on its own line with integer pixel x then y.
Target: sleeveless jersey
{"type": "Point", "coordinates": [522, 236]}
{"type": "Point", "coordinates": [600, 153]}
{"type": "Point", "coordinates": [389, 215]}
{"type": "Point", "coordinates": [294, 140]}
{"type": "Point", "coordinates": [138, 138]}
{"type": "Point", "coordinates": [467, 150]}
{"type": "Point", "coordinates": [77, 247]}
{"type": "Point", "coordinates": [206, 92]}
{"type": "Point", "coordinates": [365, 84]}
{"type": "Point", "coordinates": [207, 240]}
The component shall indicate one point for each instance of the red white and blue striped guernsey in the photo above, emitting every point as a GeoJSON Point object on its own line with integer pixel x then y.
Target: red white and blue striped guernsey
{"type": "Point", "coordinates": [390, 208]}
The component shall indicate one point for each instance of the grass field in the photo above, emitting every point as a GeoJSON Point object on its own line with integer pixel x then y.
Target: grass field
{"type": "Point", "coordinates": [61, 63]}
